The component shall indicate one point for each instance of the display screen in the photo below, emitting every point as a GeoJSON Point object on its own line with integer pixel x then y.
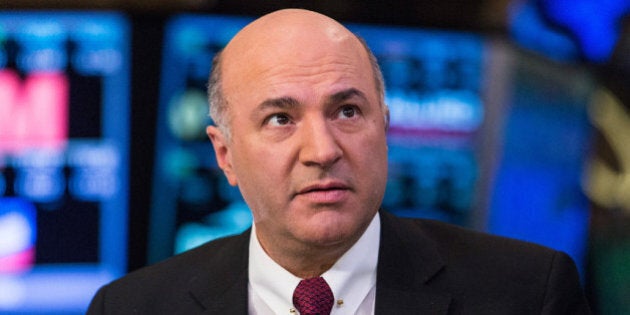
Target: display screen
{"type": "Point", "coordinates": [434, 82]}
{"type": "Point", "coordinates": [537, 194]}
{"type": "Point", "coordinates": [568, 30]}
{"type": "Point", "coordinates": [64, 155]}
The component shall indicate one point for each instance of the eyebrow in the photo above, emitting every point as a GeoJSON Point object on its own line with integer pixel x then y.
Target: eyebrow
{"type": "Point", "coordinates": [345, 95]}
{"type": "Point", "coordinates": [287, 102]}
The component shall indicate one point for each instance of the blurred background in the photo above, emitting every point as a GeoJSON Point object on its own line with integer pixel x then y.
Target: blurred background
{"type": "Point", "coordinates": [507, 116]}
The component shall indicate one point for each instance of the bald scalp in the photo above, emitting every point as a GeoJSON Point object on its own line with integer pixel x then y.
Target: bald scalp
{"type": "Point", "coordinates": [286, 35]}
{"type": "Point", "coordinates": [284, 27]}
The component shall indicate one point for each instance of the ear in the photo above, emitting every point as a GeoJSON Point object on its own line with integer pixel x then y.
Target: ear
{"type": "Point", "coordinates": [223, 153]}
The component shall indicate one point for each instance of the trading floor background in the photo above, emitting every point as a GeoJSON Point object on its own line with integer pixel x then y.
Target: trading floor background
{"type": "Point", "coordinates": [507, 116]}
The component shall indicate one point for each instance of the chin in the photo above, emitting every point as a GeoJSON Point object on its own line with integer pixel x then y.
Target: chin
{"type": "Point", "coordinates": [331, 233]}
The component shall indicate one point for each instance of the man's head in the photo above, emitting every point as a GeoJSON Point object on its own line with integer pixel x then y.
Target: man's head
{"type": "Point", "coordinates": [307, 144]}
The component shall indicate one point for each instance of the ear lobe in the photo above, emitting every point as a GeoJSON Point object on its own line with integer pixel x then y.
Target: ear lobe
{"type": "Point", "coordinates": [222, 153]}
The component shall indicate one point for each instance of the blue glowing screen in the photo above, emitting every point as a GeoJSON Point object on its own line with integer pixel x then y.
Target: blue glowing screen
{"type": "Point", "coordinates": [537, 193]}
{"type": "Point", "coordinates": [434, 84]}
{"type": "Point", "coordinates": [595, 23]}
{"type": "Point", "coordinates": [569, 30]}
{"type": "Point", "coordinates": [63, 158]}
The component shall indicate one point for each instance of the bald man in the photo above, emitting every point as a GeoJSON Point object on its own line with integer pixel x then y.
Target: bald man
{"type": "Point", "coordinates": [300, 128]}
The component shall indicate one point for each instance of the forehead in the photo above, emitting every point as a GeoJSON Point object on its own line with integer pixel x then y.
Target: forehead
{"type": "Point", "coordinates": [323, 68]}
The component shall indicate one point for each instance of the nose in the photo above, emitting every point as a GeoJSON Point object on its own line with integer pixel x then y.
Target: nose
{"type": "Point", "coordinates": [320, 146]}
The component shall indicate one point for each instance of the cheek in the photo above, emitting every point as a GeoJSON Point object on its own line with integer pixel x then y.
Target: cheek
{"type": "Point", "coordinates": [375, 145]}
{"type": "Point", "coordinates": [261, 173]}
{"type": "Point", "coordinates": [374, 166]}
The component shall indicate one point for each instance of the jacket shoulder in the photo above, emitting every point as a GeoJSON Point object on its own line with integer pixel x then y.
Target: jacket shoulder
{"type": "Point", "coordinates": [484, 273]}
{"type": "Point", "coordinates": [167, 286]}
{"type": "Point", "coordinates": [188, 262]}
{"type": "Point", "coordinates": [464, 241]}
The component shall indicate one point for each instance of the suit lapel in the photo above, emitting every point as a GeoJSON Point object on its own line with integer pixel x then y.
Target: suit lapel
{"type": "Point", "coordinates": [408, 261]}
{"type": "Point", "coordinates": [222, 288]}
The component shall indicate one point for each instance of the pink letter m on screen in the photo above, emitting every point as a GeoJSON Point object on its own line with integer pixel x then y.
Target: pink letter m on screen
{"type": "Point", "coordinates": [33, 111]}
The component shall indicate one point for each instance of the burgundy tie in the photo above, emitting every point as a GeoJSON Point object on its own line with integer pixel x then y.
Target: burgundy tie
{"type": "Point", "coordinates": [313, 297]}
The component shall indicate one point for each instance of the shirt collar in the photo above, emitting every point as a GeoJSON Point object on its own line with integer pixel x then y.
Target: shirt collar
{"type": "Point", "coordinates": [351, 278]}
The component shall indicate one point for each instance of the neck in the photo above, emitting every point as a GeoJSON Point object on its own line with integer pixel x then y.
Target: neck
{"type": "Point", "coordinates": [310, 264]}
{"type": "Point", "coordinates": [304, 260]}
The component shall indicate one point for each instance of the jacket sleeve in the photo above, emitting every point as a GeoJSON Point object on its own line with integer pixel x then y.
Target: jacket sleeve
{"type": "Point", "coordinates": [563, 293]}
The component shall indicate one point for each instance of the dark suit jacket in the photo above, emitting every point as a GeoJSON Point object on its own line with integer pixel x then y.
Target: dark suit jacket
{"type": "Point", "coordinates": [424, 267]}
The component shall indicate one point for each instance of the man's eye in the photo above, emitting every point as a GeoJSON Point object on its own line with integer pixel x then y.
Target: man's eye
{"type": "Point", "coordinates": [347, 111]}
{"type": "Point", "coordinates": [278, 120]}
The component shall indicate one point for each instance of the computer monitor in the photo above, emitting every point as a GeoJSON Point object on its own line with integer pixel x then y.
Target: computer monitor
{"type": "Point", "coordinates": [64, 155]}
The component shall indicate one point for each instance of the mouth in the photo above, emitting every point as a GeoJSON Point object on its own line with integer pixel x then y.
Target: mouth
{"type": "Point", "coordinates": [324, 192]}
{"type": "Point", "coordinates": [324, 186]}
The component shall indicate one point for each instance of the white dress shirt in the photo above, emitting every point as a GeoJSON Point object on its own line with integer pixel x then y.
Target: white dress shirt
{"type": "Point", "coordinates": [352, 278]}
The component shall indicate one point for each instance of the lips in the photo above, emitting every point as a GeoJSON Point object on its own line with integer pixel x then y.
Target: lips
{"type": "Point", "coordinates": [324, 192]}
{"type": "Point", "coordinates": [334, 185]}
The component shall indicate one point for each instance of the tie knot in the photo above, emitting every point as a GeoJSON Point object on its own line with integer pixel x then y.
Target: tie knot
{"type": "Point", "coordinates": [313, 297]}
